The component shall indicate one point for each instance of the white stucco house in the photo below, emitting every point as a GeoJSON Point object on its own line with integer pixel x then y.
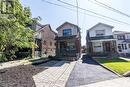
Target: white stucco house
{"type": "Point", "coordinates": [123, 41]}
{"type": "Point", "coordinates": [100, 40]}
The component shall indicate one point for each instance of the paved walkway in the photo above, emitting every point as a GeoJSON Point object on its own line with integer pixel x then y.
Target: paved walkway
{"type": "Point", "coordinates": [10, 64]}
{"type": "Point", "coordinates": [127, 59]}
{"type": "Point", "coordinates": [55, 76]}
{"type": "Point", "coordinates": [87, 71]}
{"type": "Point", "coordinates": [119, 82]}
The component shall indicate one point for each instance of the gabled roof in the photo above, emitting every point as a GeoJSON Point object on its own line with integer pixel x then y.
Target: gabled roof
{"type": "Point", "coordinates": [43, 27]}
{"type": "Point", "coordinates": [101, 24]}
{"type": "Point", "coordinates": [68, 23]}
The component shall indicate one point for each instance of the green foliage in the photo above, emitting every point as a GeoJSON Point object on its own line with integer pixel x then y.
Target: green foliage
{"type": "Point", "coordinates": [2, 57]}
{"type": "Point", "coordinates": [14, 30]}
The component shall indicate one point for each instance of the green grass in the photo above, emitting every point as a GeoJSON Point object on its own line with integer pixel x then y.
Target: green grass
{"type": "Point", "coordinates": [118, 65]}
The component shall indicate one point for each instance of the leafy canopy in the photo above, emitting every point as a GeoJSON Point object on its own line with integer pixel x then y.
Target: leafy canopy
{"type": "Point", "coordinates": [14, 29]}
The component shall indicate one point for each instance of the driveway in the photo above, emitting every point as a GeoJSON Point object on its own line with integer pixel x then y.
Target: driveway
{"type": "Point", "coordinates": [87, 71]}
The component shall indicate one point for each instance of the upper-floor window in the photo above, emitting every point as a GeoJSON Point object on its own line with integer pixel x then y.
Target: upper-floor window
{"type": "Point", "coordinates": [67, 32]}
{"type": "Point", "coordinates": [100, 32]}
{"type": "Point", "coordinates": [121, 37]}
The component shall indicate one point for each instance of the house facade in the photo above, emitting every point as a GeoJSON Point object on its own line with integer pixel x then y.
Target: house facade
{"type": "Point", "coordinates": [37, 38]}
{"type": "Point", "coordinates": [68, 45]}
{"type": "Point", "coordinates": [123, 42]}
{"type": "Point", "coordinates": [100, 40]}
{"type": "Point", "coordinates": [48, 41]}
{"type": "Point", "coordinates": [45, 40]}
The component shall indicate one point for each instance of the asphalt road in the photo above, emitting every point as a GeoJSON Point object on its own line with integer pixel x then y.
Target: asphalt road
{"type": "Point", "coordinates": [87, 71]}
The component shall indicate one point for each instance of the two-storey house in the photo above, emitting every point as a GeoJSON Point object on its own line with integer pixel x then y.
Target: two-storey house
{"type": "Point", "coordinates": [68, 45]}
{"type": "Point", "coordinates": [100, 40]}
{"type": "Point", "coordinates": [123, 41]}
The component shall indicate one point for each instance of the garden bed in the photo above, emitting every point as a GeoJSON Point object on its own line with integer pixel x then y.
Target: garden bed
{"type": "Point", "coordinates": [19, 76]}
{"type": "Point", "coordinates": [118, 65]}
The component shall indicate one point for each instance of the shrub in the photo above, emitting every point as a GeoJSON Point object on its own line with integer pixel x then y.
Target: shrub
{"type": "Point", "coordinates": [22, 54]}
{"type": "Point", "coordinates": [3, 57]}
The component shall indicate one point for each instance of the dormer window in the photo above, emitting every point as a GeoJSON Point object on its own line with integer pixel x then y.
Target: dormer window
{"type": "Point", "coordinates": [67, 32]}
{"type": "Point", "coordinates": [100, 32]}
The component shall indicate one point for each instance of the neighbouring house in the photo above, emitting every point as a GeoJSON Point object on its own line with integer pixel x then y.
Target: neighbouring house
{"type": "Point", "coordinates": [123, 42]}
{"type": "Point", "coordinates": [68, 45]}
{"type": "Point", "coordinates": [45, 39]}
{"type": "Point", "coordinates": [48, 41]}
{"type": "Point", "coordinates": [37, 38]}
{"type": "Point", "coordinates": [100, 40]}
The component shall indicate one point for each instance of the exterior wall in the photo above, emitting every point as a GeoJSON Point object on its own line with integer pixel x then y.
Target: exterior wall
{"type": "Point", "coordinates": [48, 41]}
{"type": "Point", "coordinates": [97, 46]}
{"type": "Point", "coordinates": [127, 37]}
{"type": "Point", "coordinates": [69, 52]}
{"type": "Point", "coordinates": [67, 26]}
{"type": "Point", "coordinates": [128, 50]}
{"type": "Point", "coordinates": [108, 30]}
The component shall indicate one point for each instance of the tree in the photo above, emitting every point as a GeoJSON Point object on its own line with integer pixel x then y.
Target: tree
{"type": "Point", "coordinates": [14, 30]}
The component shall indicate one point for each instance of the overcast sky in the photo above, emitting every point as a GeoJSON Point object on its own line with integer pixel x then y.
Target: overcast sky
{"type": "Point", "coordinates": [55, 15]}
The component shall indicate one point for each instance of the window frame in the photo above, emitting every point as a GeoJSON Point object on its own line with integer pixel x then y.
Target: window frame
{"type": "Point", "coordinates": [67, 32]}
{"type": "Point", "coordinates": [102, 32]}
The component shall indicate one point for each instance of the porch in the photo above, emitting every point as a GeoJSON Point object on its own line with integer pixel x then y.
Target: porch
{"type": "Point", "coordinates": [67, 49]}
{"type": "Point", "coordinates": [103, 47]}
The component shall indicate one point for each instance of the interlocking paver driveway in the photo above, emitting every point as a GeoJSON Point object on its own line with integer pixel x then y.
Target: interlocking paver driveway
{"type": "Point", "coordinates": [87, 71]}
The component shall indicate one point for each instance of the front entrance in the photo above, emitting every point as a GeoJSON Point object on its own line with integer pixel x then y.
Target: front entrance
{"type": "Point", "coordinates": [107, 46]}
{"type": "Point", "coordinates": [63, 46]}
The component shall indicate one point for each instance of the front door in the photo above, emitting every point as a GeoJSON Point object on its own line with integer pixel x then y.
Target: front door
{"type": "Point", "coordinates": [63, 46]}
{"type": "Point", "coordinates": [107, 46]}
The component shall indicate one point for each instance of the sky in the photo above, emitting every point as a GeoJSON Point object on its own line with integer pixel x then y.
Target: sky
{"type": "Point", "coordinates": [56, 15]}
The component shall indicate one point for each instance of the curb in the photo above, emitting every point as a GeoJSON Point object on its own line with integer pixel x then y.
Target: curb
{"type": "Point", "coordinates": [107, 68]}
{"type": "Point", "coordinates": [40, 61]}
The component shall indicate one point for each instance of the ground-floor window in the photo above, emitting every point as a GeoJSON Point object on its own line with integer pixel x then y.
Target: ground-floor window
{"type": "Point", "coordinates": [71, 46]}
{"type": "Point", "coordinates": [122, 47]}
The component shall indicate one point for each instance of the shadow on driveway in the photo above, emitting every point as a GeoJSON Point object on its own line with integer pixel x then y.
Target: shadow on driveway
{"type": "Point", "coordinates": [87, 71]}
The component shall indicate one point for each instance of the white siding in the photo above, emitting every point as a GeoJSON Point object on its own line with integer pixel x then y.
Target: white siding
{"type": "Point", "coordinates": [127, 36]}
{"type": "Point", "coordinates": [97, 47]}
{"type": "Point", "coordinates": [108, 30]}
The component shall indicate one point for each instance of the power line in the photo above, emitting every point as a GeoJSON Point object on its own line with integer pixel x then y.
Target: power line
{"type": "Point", "coordinates": [109, 8]}
{"type": "Point", "coordinates": [94, 12]}
{"type": "Point", "coordinates": [82, 12]}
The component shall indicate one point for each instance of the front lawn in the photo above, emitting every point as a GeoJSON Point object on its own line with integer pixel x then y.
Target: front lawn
{"type": "Point", "coordinates": [118, 65]}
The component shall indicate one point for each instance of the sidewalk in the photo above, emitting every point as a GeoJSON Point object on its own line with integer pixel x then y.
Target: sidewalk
{"type": "Point", "coordinates": [55, 76]}
{"type": "Point", "coordinates": [119, 82]}
{"type": "Point", "coordinates": [20, 62]}
{"type": "Point", "coordinates": [10, 64]}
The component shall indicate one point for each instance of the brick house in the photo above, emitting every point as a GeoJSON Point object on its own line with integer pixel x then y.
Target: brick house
{"type": "Point", "coordinates": [68, 45]}
{"type": "Point", "coordinates": [47, 40]}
